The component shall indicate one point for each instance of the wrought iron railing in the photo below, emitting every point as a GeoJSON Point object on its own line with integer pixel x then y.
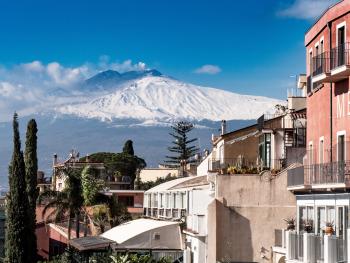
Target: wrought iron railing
{"type": "Point", "coordinates": [327, 173]}
{"type": "Point", "coordinates": [320, 63]}
{"type": "Point", "coordinates": [315, 174]}
{"type": "Point", "coordinates": [340, 55]}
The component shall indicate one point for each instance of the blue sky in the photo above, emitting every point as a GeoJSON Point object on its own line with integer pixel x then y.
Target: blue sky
{"type": "Point", "coordinates": [249, 47]}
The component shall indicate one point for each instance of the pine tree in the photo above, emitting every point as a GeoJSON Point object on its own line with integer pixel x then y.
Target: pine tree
{"type": "Point", "coordinates": [17, 205]}
{"type": "Point", "coordinates": [128, 147]}
{"type": "Point", "coordinates": [182, 144]}
{"type": "Point", "coordinates": [31, 166]}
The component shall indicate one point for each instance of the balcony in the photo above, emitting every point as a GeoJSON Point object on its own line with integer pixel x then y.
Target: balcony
{"type": "Point", "coordinates": [244, 166]}
{"type": "Point", "coordinates": [319, 176]}
{"type": "Point", "coordinates": [169, 213]}
{"type": "Point", "coordinates": [320, 69]}
{"type": "Point", "coordinates": [340, 62]}
{"type": "Point", "coordinates": [308, 247]}
{"type": "Point", "coordinates": [330, 66]}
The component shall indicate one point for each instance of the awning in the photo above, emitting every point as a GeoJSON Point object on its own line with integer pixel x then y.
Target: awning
{"type": "Point", "coordinates": [91, 243]}
{"type": "Point", "coordinates": [146, 234]}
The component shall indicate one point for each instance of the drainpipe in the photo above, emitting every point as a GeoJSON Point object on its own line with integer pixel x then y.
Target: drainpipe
{"type": "Point", "coordinates": [329, 25]}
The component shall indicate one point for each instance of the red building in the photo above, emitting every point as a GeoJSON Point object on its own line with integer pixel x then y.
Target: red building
{"type": "Point", "coordinates": [322, 184]}
{"type": "Point", "coordinates": [328, 69]}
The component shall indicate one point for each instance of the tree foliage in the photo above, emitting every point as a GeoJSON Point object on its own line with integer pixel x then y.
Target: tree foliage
{"type": "Point", "coordinates": [31, 170]}
{"type": "Point", "coordinates": [119, 164]}
{"type": "Point", "coordinates": [128, 147]}
{"type": "Point", "coordinates": [182, 149]}
{"type": "Point", "coordinates": [91, 185]}
{"type": "Point", "coordinates": [17, 247]}
{"type": "Point", "coordinates": [62, 205]}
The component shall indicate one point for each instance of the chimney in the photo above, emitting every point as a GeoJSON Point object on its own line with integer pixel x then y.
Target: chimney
{"type": "Point", "coordinates": [87, 159]}
{"type": "Point", "coordinates": [55, 159]}
{"type": "Point", "coordinates": [223, 127]}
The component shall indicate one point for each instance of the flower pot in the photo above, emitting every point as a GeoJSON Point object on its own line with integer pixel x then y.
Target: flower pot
{"type": "Point", "coordinates": [290, 226]}
{"type": "Point", "coordinates": [329, 230]}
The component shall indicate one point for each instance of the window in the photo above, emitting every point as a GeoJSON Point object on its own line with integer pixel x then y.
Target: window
{"type": "Point", "coordinates": [341, 45]}
{"type": "Point", "coordinates": [341, 148]}
{"type": "Point", "coordinates": [311, 154]}
{"type": "Point", "coordinates": [341, 224]}
{"type": "Point", "coordinates": [317, 62]}
{"type": "Point", "coordinates": [174, 200]}
{"type": "Point", "coordinates": [161, 200]}
{"type": "Point", "coordinates": [183, 200]}
{"type": "Point", "coordinates": [321, 151]}
{"type": "Point", "coordinates": [265, 149]}
{"type": "Point", "coordinates": [149, 200]}
{"type": "Point", "coordinates": [168, 200]}
{"type": "Point", "coordinates": [306, 215]}
{"type": "Point", "coordinates": [126, 200]}
{"type": "Point", "coordinates": [321, 220]}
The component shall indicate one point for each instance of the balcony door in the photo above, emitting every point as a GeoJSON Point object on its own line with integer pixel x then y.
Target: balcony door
{"type": "Point", "coordinates": [341, 46]}
{"type": "Point", "coordinates": [340, 158]}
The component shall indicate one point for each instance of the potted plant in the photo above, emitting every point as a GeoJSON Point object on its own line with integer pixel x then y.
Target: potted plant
{"type": "Point", "coordinates": [329, 228]}
{"type": "Point", "coordinates": [290, 223]}
{"type": "Point", "coordinates": [231, 169]}
{"type": "Point", "coordinates": [308, 225]}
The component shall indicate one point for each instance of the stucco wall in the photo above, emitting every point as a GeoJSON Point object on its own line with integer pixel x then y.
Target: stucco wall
{"type": "Point", "coordinates": [242, 219]}
{"type": "Point", "coordinates": [248, 147]}
{"type": "Point", "coordinates": [151, 174]}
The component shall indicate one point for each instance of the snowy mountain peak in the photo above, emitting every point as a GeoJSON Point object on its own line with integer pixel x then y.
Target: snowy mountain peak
{"type": "Point", "coordinates": [152, 97]}
{"type": "Point", "coordinates": [111, 78]}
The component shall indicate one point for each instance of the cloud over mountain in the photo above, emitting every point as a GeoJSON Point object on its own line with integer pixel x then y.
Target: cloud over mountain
{"type": "Point", "coordinates": [29, 87]}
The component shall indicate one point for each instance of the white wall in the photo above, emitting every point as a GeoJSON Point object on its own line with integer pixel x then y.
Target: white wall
{"type": "Point", "coordinates": [202, 168]}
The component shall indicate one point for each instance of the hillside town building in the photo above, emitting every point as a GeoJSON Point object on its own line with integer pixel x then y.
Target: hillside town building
{"type": "Point", "coordinates": [321, 184]}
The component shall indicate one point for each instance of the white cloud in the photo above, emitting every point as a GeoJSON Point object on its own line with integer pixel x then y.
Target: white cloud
{"type": "Point", "coordinates": [35, 86]}
{"type": "Point", "coordinates": [208, 69]}
{"type": "Point", "coordinates": [306, 9]}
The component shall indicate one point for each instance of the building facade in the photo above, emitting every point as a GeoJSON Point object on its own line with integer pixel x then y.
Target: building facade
{"type": "Point", "coordinates": [185, 200]}
{"type": "Point", "coordinates": [321, 185]}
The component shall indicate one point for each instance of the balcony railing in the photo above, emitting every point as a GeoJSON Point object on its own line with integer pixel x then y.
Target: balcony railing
{"type": "Point", "coordinates": [340, 55]}
{"type": "Point", "coordinates": [297, 242]}
{"type": "Point", "coordinates": [280, 238]}
{"type": "Point", "coordinates": [318, 174]}
{"type": "Point", "coordinates": [308, 247]}
{"type": "Point", "coordinates": [327, 173]}
{"type": "Point", "coordinates": [320, 64]}
{"type": "Point", "coordinates": [244, 165]}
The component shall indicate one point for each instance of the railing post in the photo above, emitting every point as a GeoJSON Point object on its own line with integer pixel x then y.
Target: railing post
{"type": "Point", "coordinates": [290, 245]}
{"type": "Point", "coordinates": [347, 244]}
{"type": "Point", "coordinates": [309, 248]}
{"type": "Point", "coordinates": [330, 249]}
{"type": "Point", "coordinates": [283, 238]}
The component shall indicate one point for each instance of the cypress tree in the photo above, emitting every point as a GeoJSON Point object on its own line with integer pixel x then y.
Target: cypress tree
{"type": "Point", "coordinates": [17, 205]}
{"type": "Point", "coordinates": [31, 168]}
{"type": "Point", "coordinates": [128, 147]}
{"type": "Point", "coordinates": [182, 148]}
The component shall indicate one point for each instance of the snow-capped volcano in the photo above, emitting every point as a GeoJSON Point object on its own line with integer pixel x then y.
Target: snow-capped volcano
{"type": "Point", "coordinates": [151, 96]}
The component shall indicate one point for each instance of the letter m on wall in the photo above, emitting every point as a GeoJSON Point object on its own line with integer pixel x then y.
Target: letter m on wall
{"type": "Point", "coordinates": [340, 106]}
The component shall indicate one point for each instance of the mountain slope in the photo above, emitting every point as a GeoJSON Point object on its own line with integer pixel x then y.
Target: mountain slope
{"type": "Point", "coordinates": [160, 98]}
